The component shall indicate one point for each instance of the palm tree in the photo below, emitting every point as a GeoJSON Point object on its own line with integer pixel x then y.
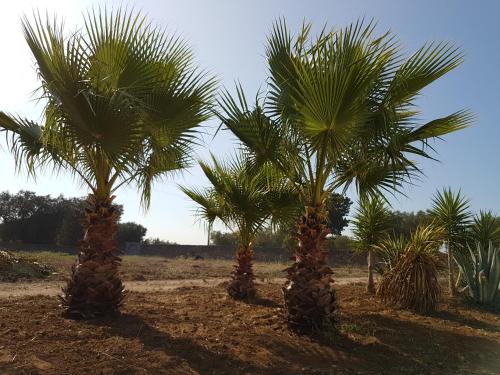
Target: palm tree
{"type": "Point", "coordinates": [485, 229]}
{"type": "Point", "coordinates": [371, 224]}
{"type": "Point", "coordinates": [340, 110]}
{"type": "Point", "coordinates": [123, 101]}
{"type": "Point", "coordinates": [450, 212]}
{"type": "Point", "coordinates": [244, 201]}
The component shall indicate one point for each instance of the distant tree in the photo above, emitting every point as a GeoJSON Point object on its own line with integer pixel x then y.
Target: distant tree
{"type": "Point", "coordinates": [271, 238]}
{"type": "Point", "coordinates": [224, 238]}
{"type": "Point", "coordinates": [130, 232]}
{"type": "Point", "coordinates": [405, 223]}
{"type": "Point", "coordinates": [341, 243]}
{"type": "Point", "coordinates": [41, 219]}
{"type": "Point", "coordinates": [27, 217]}
{"type": "Point", "coordinates": [338, 207]}
{"type": "Point", "coordinates": [157, 241]}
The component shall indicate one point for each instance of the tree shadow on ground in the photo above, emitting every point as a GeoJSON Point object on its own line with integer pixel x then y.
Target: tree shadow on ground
{"type": "Point", "coordinates": [470, 322]}
{"type": "Point", "coordinates": [198, 357]}
{"type": "Point", "coordinates": [394, 347]}
{"type": "Point", "coordinates": [262, 301]}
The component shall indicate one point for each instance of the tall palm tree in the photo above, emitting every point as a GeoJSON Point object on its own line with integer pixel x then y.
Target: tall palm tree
{"type": "Point", "coordinates": [450, 212]}
{"type": "Point", "coordinates": [340, 110]}
{"type": "Point", "coordinates": [122, 103]}
{"type": "Point", "coordinates": [244, 201]}
{"type": "Point", "coordinates": [371, 225]}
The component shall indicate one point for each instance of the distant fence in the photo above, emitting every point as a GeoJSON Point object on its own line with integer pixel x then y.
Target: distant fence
{"type": "Point", "coordinates": [336, 256]}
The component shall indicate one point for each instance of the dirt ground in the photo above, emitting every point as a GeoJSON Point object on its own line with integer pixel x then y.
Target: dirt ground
{"type": "Point", "coordinates": [53, 288]}
{"type": "Point", "coordinates": [200, 330]}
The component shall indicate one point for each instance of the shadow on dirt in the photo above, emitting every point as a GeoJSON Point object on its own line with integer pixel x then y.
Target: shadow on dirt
{"type": "Point", "coordinates": [198, 358]}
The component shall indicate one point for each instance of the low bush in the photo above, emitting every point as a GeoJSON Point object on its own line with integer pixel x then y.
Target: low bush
{"type": "Point", "coordinates": [412, 283]}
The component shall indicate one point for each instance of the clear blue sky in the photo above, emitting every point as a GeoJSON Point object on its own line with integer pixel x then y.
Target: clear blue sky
{"type": "Point", "coordinates": [228, 38]}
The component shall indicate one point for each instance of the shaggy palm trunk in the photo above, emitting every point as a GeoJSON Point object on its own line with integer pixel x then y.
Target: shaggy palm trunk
{"type": "Point", "coordinates": [95, 286]}
{"type": "Point", "coordinates": [242, 284]}
{"type": "Point", "coordinates": [370, 286]}
{"type": "Point", "coordinates": [309, 295]}
{"type": "Point", "coordinates": [451, 281]}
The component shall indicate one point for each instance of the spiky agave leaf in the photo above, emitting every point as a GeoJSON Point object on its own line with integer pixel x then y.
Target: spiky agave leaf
{"type": "Point", "coordinates": [481, 270]}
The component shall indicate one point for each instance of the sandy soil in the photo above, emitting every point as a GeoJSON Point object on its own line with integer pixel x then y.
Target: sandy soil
{"type": "Point", "coordinates": [53, 288]}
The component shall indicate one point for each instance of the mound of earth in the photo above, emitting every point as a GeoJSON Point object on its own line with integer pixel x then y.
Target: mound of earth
{"type": "Point", "coordinates": [13, 268]}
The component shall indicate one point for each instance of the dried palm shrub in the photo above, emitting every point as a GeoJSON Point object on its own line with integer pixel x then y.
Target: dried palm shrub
{"type": "Point", "coordinates": [390, 250]}
{"type": "Point", "coordinates": [413, 281]}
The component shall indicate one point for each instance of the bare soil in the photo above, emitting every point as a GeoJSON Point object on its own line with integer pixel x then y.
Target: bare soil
{"type": "Point", "coordinates": [200, 330]}
{"type": "Point", "coordinates": [53, 288]}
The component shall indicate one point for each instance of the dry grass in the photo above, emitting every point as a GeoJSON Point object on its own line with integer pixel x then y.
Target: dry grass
{"type": "Point", "coordinates": [138, 267]}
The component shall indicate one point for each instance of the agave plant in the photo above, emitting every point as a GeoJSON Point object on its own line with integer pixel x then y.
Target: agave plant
{"type": "Point", "coordinates": [123, 101]}
{"type": "Point", "coordinates": [244, 201]}
{"type": "Point", "coordinates": [340, 110]}
{"type": "Point", "coordinates": [412, 283]}
{"type": "Point", "coordinates": [450, 212]}
{"type": "Point", "coordinates": [371, 224]}
{"type": "Point", "coordinates": [481, 270]}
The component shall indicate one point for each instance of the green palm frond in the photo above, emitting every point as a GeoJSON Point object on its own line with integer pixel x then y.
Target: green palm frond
{"type": "Point", "coordinates": [340, 109]}
{"type": "Point", "coordinates": [450, 210]}
{"type": "Point", "coordinates": [371, 222]}
{"type": "Point", "coordinates": [242, 198]}
{"type": "Point", "coordinates": [484, 229]}
{"type": "Point", "coordinates": [123, 99]}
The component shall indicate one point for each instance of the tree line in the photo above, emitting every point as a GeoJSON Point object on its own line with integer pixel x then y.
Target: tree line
{"type": "Point", "coordinates": [41, 219]}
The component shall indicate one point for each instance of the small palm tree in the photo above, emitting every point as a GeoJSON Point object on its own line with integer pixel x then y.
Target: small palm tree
{"type": "Point", "coordinates": [123, 101]}
{"type": "Point", "coordinates": [371, 225]}
{"type": "Point", "coordinates": [244, 201]}
{"type": "Point", "coordinates": [485, 229]}
{"type": "Point", "coordinates": [450, 212]}
{"type": "Point", "coordinates": [340, 110]}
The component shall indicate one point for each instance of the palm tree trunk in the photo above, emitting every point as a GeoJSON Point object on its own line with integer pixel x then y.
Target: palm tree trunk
{"type": "Point", "coordinates": [451, 281]}
{"type": "Point", "coordinates": [242, 284]}
{"type": "Point", "coordinates": [370, 286]}
{"type": "Point", "coordinates": [95, 286]}
{"type": "Point", "coordinates": [309, 295]}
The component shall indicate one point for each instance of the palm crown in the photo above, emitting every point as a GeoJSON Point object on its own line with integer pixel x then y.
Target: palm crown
{"type": "Point", "coordinates": [340, 109]}
{"type": "Point", "coordinates": [371, 222]}
{"type": "Point", "coordinates": [243, 201]}
{"type": "Point", "coordinates": [122, 101]}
